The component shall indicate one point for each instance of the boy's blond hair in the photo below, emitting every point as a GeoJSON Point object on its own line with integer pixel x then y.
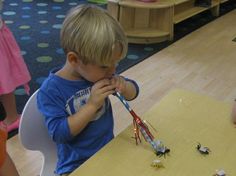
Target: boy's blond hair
{"type": "Point", "coordinates": [92, 33]}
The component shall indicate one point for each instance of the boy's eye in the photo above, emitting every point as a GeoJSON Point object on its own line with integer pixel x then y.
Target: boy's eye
{"type": "Point", "coordinates": [104, 67]}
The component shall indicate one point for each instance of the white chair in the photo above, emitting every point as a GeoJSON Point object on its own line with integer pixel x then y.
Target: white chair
{"type": "Point", "coordinates": [33, 135]}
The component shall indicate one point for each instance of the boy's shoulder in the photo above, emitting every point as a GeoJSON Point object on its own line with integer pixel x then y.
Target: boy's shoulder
{"type": "Point", "coordinates": [50, 82]}
{"type": "Point", "coordinates": [51, 89]}
{"type": "Point", "coordinates": [55, 84]}
{"type": "Point", "coordinates": [53, 81]}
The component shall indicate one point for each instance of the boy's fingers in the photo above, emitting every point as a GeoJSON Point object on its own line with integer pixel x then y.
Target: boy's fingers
{"type": "Point", "coordinates": [101, 83]}
{"type": "Point", "coordinates": [106, 94]}
{"type": "Point", "coordinates": [107, 88]}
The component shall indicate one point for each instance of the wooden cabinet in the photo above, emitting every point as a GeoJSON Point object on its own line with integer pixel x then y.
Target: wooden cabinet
{"type": "Point", "coordinates": [144, 22]}
{"type": "Point", "coordinates": [153, 22]}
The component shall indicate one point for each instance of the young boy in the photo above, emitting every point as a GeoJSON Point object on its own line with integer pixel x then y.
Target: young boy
{"type": "Point", "coordinates": [7, 167]}
{"type": "Point", "coordinates": [74, 99]}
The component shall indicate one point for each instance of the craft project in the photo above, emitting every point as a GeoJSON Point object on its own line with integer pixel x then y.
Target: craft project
{"type": "Point", "coordinates": [141, 126]}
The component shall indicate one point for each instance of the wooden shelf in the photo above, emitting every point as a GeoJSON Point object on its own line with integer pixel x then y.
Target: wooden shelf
{"type": "Point", "coordinates": [147, 35]}
{"type": "Point", "coordinates": [177, 2]}
{"type": "Point", "coordinates": [188, 13]}
{"type": "Point", "coordinates": [223, 1]}
{"type": "Point", "coordinates": [185, 14]}
{"type": "Point", "coordinates": [146, 5]}
{"type": "Point", "coordinates": [150, 33]}
{"type": "Point", "coordinates": [214, 3]}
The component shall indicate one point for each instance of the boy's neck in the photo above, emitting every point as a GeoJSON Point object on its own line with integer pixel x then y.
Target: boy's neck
{"type": "Point", "coordinates": [68, 73]}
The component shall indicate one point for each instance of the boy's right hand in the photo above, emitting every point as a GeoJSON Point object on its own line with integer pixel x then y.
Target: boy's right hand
{"type": "Point", "coordinates": [99, 92]}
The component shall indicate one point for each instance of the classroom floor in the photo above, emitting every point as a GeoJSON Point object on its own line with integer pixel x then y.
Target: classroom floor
{"type": "Point", "coordinates": [203, 61]}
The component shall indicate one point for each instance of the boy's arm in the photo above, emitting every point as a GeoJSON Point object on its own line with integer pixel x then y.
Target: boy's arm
{"type": "Point", "coordinates": [127, 87]}
{"type": "Point", "coordinates": [63, 128]}
{"type": "Point", "coordinates": [78, 121]}
{"type": "Point", "coordinates": [131, 90]}
{"type": "Point", "coordinates": [99, 92]}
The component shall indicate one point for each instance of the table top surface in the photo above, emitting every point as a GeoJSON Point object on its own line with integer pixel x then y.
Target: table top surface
{"type": "Point", "coordinates": [182, 119]}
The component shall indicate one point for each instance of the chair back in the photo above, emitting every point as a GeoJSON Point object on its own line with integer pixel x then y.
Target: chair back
{"type": "Point", "coordinates": [34, 135]}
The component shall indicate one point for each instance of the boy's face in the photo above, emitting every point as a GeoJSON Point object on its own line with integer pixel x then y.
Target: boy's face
{"type": "Point", "coordinates": [94, 73]}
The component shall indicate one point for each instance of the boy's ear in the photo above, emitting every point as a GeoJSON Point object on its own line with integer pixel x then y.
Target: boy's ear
{"type": "Point", "coordinates": [73, 58]}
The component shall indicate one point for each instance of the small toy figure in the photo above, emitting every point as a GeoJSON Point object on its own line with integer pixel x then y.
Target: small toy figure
{"type": "Point", "coordinates": [220, 172]}
{"type": "Point", "coordinates": [203, 150]}
{"type": "Point", "coordinates": [161, 150]}
{"type": "Point", "coordinates": [157, 164]}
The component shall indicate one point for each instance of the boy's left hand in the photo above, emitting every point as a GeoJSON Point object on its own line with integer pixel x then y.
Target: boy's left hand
{"type": "Point", "coordinates": [120, 83]}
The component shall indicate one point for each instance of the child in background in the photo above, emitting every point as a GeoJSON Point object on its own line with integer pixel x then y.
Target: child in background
{"type": "Point", "coordinates": [74, 99]}
{"type": "Point", "coordinates": [7, 167]}
{"type": "Point", "coordinates": [13, 73]}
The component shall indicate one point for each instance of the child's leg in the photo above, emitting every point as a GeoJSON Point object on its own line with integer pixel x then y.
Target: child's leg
{"type": "Point", "coordinates": [9, 103]}
{"type": "Point", "coordinates": [8, 168]}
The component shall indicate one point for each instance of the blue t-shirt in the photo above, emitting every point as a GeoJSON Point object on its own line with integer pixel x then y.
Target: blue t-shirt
{"type": "Point", "coordinates": [59, 98]}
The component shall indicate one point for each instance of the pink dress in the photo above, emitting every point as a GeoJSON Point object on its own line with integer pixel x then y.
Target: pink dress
{"type": "Point", "coordinates": [13, 70]}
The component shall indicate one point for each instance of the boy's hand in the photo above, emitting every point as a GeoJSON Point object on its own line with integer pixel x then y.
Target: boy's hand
{"type": "Point", "coordinates": [126, 88]}
{"type": "Point", "coordinates": [100, 90]}
{"type": "Point", "coordinates": [120, 84]}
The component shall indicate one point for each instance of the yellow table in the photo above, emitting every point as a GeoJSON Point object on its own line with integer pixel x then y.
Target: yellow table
{"type": "Point", "coordinates": [182, 119]}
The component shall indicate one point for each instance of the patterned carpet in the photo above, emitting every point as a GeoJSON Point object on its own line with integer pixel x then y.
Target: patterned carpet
{"type": "Point", "coordinates": [36, 25]}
